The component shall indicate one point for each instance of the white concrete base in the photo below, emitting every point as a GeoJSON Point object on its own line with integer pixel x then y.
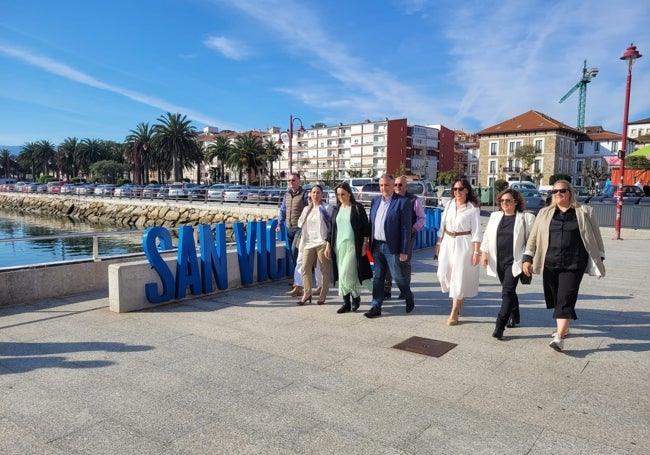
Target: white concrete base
{"type": "Point", "coordinates": [126, 281]}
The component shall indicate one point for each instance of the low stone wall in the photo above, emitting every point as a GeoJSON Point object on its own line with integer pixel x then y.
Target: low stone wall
{"type": "Point", "coordinates": [136, 213]}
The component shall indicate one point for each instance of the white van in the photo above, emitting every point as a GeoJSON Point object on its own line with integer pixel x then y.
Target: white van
{"type": "Point", "coordinates": [358, 182]}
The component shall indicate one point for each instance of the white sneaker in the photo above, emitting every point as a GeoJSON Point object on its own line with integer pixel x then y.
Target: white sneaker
{"type": "Point", "coordinates": [557, 343]}
{"type": "Point", "coordinates": [566, 335]}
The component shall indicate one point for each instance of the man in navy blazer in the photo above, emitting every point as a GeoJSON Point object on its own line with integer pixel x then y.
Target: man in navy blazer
{"type": "Point", "coordinates": [390, 220]}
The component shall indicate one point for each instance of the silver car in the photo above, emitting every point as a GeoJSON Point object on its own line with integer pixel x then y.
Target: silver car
{"type": "Point", "coordinates": [235, 193]}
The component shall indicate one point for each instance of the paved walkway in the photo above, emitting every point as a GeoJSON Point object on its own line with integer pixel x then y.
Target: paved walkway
{"type": "Point", "coordinates": [248, 371]}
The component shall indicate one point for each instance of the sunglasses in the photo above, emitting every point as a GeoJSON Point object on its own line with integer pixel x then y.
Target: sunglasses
{"type": "Point", "coordinates": [507, 201]}
{"type": "Point", "coordinates": [561, 191]}
{"type": "Point", "coordinates": [459, 188]}
{"type": "Point", "coordinates": [399, 184]}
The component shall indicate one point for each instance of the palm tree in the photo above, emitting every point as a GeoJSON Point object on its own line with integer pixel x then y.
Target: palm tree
{"type": "Point", "coordinates": [28, 157]}
{"type": "Point", "coordinates": [272, 152]}
{"type": "Point", "coordinates": [45, 156]}
{"type": "Point", "coordinates": [219, 149]}
{"type": "Point", "coordinates": [90, 151]}
{"type": "Point", "coordinates": [67, 152]}
{"type": "Point", "coordinates": [140, 142]}
{"type": "Point", "coordinates": [175, 137]}
{"type": "Point", "coordinates": [246, 155]}
{"type": "Point", "coordinates": [7, 163]}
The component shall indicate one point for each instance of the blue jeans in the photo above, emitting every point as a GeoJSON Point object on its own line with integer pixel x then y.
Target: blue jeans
{"type": "Point", "coordinates": [387, 261]}
{"type": "Point", "coordinates": [291, 238]}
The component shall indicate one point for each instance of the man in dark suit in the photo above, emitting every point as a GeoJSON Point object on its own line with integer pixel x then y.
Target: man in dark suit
{"type": "Point", "coordinates": [390, 220]}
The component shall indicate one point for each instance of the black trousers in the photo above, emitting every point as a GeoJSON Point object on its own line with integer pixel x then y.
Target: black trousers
{"type": "Point", "coordinates": [509, 299]}
{"type": "Point", "coordinates": [561, 291]}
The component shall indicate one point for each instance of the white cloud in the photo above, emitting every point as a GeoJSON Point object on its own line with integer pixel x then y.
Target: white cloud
{"type": "Point", "coordinates": [67, 72]}
{"type": "Point", "coordinates": [228, 47]}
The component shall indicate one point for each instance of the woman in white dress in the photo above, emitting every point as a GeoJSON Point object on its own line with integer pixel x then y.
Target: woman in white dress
{"type": "Point", "coordinates": [458, 246]}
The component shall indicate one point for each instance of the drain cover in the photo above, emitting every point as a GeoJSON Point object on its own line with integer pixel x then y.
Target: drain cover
{"type": "Point", "coordinates": [425, 346]}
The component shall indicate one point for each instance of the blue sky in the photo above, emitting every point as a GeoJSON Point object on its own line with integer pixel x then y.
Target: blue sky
{"type": "Point", "coordinates": [95, 69]}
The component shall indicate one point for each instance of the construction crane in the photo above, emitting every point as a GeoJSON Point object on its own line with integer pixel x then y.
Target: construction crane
{"type": "Point", "coordinates": [587, 76]}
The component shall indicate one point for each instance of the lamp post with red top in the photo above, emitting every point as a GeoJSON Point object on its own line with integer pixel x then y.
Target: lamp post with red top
{"type": "Point", "coordinates": [631, 54]}
{"type": "Point", "coordinates": [292, 119]}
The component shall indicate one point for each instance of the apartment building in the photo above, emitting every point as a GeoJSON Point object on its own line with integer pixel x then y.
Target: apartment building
{"type": "Point", "coordinates": [369, 147]}
{"type": "Point", "coordinates": [639, 130]}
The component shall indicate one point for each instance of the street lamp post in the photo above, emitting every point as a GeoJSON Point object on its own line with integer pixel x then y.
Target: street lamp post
{"type": "Point", "coordinates": [292, 119]}
{"type": "Point", "coordinates": [630, 55]}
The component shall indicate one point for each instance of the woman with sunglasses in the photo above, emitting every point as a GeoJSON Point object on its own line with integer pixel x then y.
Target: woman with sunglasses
{"type": "Point", "coordinates": [504, 242]}
{"type": "Point", "coordinates": [565, 243]}
{"type": "Point", "coordinates": [347, 247]}
{"type": "Point", "coordinates": [459, 240]}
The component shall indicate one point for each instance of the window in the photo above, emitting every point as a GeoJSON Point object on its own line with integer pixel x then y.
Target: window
{"type": "Point", "coordinates": [537, 165]}
{"type": "Point", "coordinates": [581, 148]}
{"type": "Point", "coordinates": [596, 146]}
{"type": "Point", "coordinates": [513, 146]}
{"type": "Point", "coordinates": [494, 148]}
{"type": "Point", "coordinates": [579, 166]}
{"type": "Point", "coordinates": [539, 145]}
{"type": "Point", "coordinates": [614, 146]}
{"type": "Point", "coordinates": [493, 167]}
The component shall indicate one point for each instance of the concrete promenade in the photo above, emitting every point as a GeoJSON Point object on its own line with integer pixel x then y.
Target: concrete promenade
{"type": "Point", "coordinates": [250, 372]}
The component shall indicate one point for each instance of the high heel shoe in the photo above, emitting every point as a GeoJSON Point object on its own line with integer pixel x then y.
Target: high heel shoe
{"type": "Point", "coordinates": [321, 302]}
{"type": "Point", "coordinates": [304, 300]}
{"type": "Point", "coordinates": [453, 317]}
{"type": "Point", "coordinates": [296, 291]}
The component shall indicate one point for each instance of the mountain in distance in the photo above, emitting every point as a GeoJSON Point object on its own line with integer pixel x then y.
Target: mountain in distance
{"type": "Point", "coordinates": [13, 149]}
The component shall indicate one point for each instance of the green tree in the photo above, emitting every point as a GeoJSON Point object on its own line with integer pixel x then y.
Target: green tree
{"type": "Point", "coordinates": [246, 155]}
{"type": "Point", "coordinates": [328, 178]}
{"type": "Point", "coordinates": [67, 151]}
{"type": "Point", "coordinates": [45, 156]}
{"type": "Point", "coordinates": [140, 143]}
{"type": "Point", "coordinates": [355, 173]}
{"type": "Point", "coordinates": [526, 154]}
{"type": "Point", "coordinates": [639, 163]}
{"type": "Point", "coordinates": [400, 170]}
{"type": "Point", "coordinates": [219, 149]}
{"type": "Point", "coordinates": [446, 177]}
{"type": "Point", "coordinates": [28, 157]}
{"type": "Point", "coordinates": [175, 137]}
{"type": "Point", "coordinates": [272, 153]}
{"type": "Point", "coordinates": [90, 151]}
{"type": "Point", "coordinates": [7, 163]}
{"type": "Point", "coordinates": [107, 171]}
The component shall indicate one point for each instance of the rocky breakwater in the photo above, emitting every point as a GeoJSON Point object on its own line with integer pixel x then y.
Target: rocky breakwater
{"type": "Point", "coordinates": [136, 213]}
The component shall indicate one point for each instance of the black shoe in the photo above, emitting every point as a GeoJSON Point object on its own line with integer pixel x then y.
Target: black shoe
{"type": "Point", "coordinates": [386, 295]}
{"type": "Point", "coordinates": [344, 309]}
{"type": "Point", "coordinates": [512, 322]}
{"type": "Point", "coordinates": [373, 312]}
{"type": "Point", "coordinates": [356, 301]}
{"type": "Point", "coordinates": [400, 296]}
{"type": "Point", "coordinates": [410, 304]}
{"type": "Point", "coordinates": [498, 333]}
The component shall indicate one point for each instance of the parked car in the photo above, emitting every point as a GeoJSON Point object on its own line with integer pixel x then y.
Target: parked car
{"type": "Point", "coordinates": [105, 190]}
{"type": "Point", "coordinates": [67, 188]}
{"type": "Point", "coordinates": [256, 195]}
{"type": "Point", "coordinates": [235, 193]}
{"type": "Point", "coordinates": [631, 194]}
{"type": "Point", "coordinates": [177, 190]}
{"type": "Point", "coordinates": [423, 189]}
{"type": "Point", "coordinates": [151, 190]}
{"type": "Point", "coordinates": [216, 191]}
{"type": "Point", "coordinates": [196, 189]}
{"type": "Point", "coordinates": [368, 192]}
{"type": "Point", "coordinates": [444, 197]}
{"type": "Point", "coordinates": [533, 199]}
{"type": "Point", "coordinates": [276, 195]}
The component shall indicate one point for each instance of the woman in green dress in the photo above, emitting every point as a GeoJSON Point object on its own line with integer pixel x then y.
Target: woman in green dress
{"type": "Point", "coordinates": [348, 246]}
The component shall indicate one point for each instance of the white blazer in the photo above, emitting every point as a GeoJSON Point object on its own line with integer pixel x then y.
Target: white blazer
{"type": "Point", "coordinates": [489, 244]}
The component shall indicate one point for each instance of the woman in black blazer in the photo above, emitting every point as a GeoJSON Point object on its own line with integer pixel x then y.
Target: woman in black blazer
{"type": "Point", "coordinates": [348, 245]}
